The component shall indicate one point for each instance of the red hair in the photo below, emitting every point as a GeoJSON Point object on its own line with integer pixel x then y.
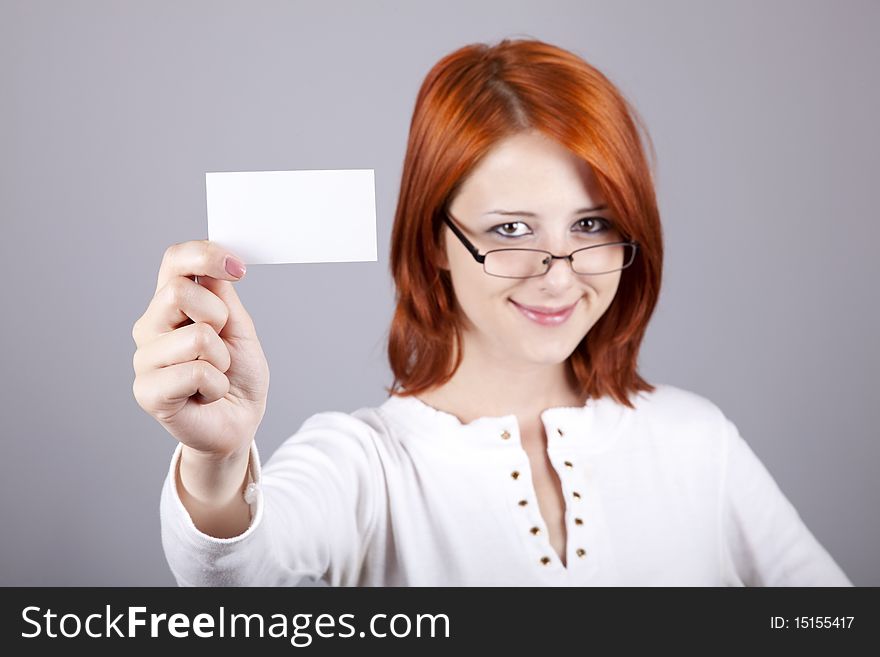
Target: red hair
{"type": "Point", "coordinates": [471, 99]}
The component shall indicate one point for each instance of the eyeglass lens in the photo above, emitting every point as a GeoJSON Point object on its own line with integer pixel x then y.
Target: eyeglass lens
{"type": "Point", "coordinates": [524, 263]}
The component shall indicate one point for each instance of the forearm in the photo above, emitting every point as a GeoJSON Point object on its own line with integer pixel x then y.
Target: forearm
{"type": "Point", "coordinates": [212, 490]}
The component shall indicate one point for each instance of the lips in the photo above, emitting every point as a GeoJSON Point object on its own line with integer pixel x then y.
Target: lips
{"type": "Point", "coordinates": [546, 310]}
{"type": "Point", "coordinates": [545, 319]}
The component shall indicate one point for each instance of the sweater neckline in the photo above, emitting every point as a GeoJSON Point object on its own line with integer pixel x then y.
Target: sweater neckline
{"type": "Point", "coordinates": [424, 408]}
{"type": "Point", "coordinates": [591, 427]}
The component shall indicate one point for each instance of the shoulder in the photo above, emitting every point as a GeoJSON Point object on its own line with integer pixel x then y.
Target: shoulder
{"type": "Point", "coordinates": [339, 431]}
{"type": "Point", "coordinates": [672, 405]}
{"type": "Point", "coordinates": [364, 421]}
{"type": "Point", "coordinates": [671, 416]}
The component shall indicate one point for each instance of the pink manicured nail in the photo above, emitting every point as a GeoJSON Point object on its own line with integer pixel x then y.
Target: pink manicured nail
{"type": "Point", "coordinates": [235, 267]}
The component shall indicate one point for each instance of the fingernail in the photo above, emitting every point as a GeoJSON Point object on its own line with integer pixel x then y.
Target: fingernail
{"type": "Point", "coordinates": [235, 267]}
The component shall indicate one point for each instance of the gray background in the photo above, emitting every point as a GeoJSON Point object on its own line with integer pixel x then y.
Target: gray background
{"type": "Point", "coordinates": [764, 119]}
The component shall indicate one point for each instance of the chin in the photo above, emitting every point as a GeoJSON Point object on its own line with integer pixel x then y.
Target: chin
{"type": "Point", "coordinates": [549, 356]}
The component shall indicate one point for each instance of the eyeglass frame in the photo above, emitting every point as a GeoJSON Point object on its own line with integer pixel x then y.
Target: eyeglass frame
{"type": "Point", "coordinates": [481, 258]}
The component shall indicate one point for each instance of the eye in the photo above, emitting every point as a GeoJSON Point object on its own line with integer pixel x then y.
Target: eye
{"type": "Point", "coordinates": [503, 228]}
{"type": "Point", "coordinates": [603, 224]}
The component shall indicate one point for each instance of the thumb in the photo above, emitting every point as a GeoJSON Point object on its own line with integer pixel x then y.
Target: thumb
{"type": "Point", "coordinates": [239, 325]}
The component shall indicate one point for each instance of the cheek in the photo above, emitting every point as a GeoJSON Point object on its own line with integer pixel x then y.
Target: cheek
{"type": "Point", "coordinates": [480, 297]}
{"type": "Point", "coordinates": [605, 294]}
{"type": "Point", "coordinates": [467, 287]}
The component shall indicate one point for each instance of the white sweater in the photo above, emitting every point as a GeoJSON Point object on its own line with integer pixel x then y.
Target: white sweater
{"type": "Point", "coordinates": [404, 494]}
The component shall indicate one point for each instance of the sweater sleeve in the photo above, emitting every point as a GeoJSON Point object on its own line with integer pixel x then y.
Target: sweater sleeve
{"type": "Point", "coordinates": [765, 541]}
{"type": "Point", "coordinates": [313, 507]}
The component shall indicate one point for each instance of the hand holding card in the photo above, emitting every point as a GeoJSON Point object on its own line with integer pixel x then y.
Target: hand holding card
{"type": "Point", "coordinates": [201, 372]}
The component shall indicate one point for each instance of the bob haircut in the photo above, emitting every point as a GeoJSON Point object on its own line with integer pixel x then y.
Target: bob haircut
{"type": "Point", "coordinates": [471, 99]}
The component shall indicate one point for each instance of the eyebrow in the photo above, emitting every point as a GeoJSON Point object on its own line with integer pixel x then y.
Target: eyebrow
{"type": "Point", "coordinates": [523, 213]}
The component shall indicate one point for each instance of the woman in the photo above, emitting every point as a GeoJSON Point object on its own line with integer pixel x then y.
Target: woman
{"type": "Point", "coordinates": [519, 445]}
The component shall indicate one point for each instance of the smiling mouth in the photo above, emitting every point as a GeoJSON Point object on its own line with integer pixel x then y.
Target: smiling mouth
{"type": "Point", "coordinates": [545, 319]}
{"type": "Point", "coordinates": [545, 310]}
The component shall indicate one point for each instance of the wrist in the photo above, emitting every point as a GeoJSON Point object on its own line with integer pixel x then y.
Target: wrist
{"type": "Point", "coordinates": [221, 460]}
{"type": "Point", "coordinates": [213, 480]}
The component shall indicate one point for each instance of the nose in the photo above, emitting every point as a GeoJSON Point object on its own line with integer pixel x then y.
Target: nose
{"type": "Point", "coordinates": [560, 275]}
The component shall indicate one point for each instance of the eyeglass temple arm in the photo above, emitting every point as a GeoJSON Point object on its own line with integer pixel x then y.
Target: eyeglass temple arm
{"type": "Point", "coordinates": [464, 240]}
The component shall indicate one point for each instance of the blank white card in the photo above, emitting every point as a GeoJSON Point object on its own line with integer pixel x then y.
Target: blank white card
{"type": "Point", "coordinates": [271, 217]}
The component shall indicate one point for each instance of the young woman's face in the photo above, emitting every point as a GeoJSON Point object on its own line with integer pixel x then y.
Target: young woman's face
{"type": "Point", "coordinates": [529, 173]}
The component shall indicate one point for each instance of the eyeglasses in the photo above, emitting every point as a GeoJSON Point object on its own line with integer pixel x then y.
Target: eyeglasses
{"type": "Point", "coordinates": [528, 263]}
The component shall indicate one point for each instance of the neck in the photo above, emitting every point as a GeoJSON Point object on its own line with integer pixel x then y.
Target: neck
{"type": "Point", "coordinates": [490, 385]}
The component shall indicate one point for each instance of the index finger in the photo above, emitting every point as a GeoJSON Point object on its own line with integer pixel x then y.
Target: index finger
{"type": "Point", "coordinates": [193, 259]}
